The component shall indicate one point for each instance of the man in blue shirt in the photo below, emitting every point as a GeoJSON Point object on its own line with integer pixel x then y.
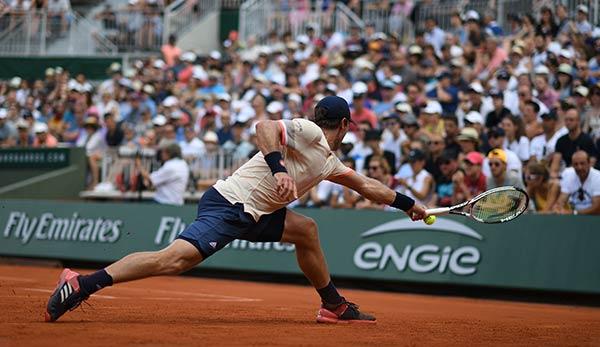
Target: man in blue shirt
{"type": "Point", "coordinates": [445, 93]}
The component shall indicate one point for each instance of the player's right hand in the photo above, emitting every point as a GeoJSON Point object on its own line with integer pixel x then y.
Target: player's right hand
{"type": "Point", "coordinates": [286, 187]}
{"type": "Point", "coordinates": [417, 212]}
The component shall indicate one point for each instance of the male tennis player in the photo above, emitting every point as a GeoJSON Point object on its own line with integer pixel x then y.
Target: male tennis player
{"type": "Point", "coordinates": [295, 155]}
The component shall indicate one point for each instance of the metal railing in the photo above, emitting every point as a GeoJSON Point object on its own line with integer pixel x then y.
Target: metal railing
{"type": "Point", "coordinates": [389, 20]}
{"type": "Point", "coordinates": [118, 166]}
{"type": "Point", "coordinates": [38, 33]}
{"type": "Point", "coordinates": [258, 18]}
{"type": "Point", "coordinates": [182, 14]}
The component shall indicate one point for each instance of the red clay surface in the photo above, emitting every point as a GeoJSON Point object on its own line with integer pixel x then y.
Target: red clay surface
{"type": "Point", "coordinates": [186, 311]}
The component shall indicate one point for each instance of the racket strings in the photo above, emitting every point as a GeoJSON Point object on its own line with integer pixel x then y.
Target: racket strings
{"type": "Point", "coordinates": [499, 206]}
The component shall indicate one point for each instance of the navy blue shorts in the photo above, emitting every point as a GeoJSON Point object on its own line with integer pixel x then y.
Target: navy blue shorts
{"type": "Point", "coordinates": [219, 222]}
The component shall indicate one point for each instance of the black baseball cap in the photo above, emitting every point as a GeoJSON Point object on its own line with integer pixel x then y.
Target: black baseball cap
{"type": "Point", "coordinates": [550, 115]}
{"type": "Point", "coordinates": [496, 132]}
{"type": "Point", "coordinates": [416, 154]}
{"type": "Point", "coordinates": [335, 107]}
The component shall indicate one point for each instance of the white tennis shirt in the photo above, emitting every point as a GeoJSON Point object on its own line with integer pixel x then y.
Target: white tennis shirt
{"type": "Point", "coordinates": [307, 158]}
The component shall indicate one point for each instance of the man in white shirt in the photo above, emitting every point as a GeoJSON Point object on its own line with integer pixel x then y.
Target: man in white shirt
{"type": "Point", "coordinates": [542, 146]}
{"type": "Point", "coordinates": [192, 147]}
{"type": "Point", "coordinates": [171, 179]}
{"type": "Point", "coordinates": [295, 155]}
{"type": "Point", "coordinates": [580, 186]}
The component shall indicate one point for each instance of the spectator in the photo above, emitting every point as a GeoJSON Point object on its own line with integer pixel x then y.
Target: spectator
{"type": "Point", "coordinates": [113, 132]}
{"type": "Point", "coordinates": [496, 138]}
{"type": "Point", "coordinates": [444, 187]}
{"type": "Point", "coordinates": [543, 146]}
{"type": "Point", "coordinates": [541, 190]}
{"type": "Point", "coordinates": [95, 146]}
{"type": "Point", "coordinates": [515, 138]}
{"type": "Point", "coordinates": [24, 138]}
{"type": "Point", "coordinates": [431, 122]}
{"type": "Point", "coordinates": [494, 117]}
{"type": "Point", "coordinates": [470, 182]}
{"type": "Point", "coordinates": [393, 136]}
{"type": "Point", "coordinates": [237, 146]}
{"type": "Point", "coordinates": [342, 196]}
{"type": "Point", "coordinates": [580, 187]}
{"type": "Point", "coordinates": [500, 176]}
{"type": "Point", "coordinates": [359, 112]}
{"type": "Point", "coordinates": [170, 181]}
{"type": "Point", "coordinates": [419, 185]}
{"type": "Point", "coordinates": [42, 138]}
{"type": "Point", "coordinates": [373, 142]}
{"type": "Point", "coordinates": [191, 148]}
{"type": "Point", "coordinates": [7, 130]}
{"type": "Point", "coordinates": [378, 169]}
{"type": "Point", "coordinates": [468, 139]}
{"type": "Point", "coordinates": [58, 11]}
{"type": "Point", "coordinates": [591, 122]}
{"type": "Point", "coordinates": [569, 143]}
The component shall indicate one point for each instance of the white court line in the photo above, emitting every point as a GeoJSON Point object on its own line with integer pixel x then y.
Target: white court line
{"type": "Point", "coordinates": [17, 279]}
{"type": "Point", "coordinates": [52, 291]}
{"type": "Point", "coordinates": [215, 297]}
{"type": "Point", "coordinates": [209, 297]}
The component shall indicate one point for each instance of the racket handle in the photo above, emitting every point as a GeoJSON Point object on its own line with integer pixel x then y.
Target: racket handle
{"type": "Point", "coordinates": [437, 211]}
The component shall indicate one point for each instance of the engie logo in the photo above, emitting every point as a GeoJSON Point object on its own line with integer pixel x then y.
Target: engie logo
{"type": "Point", "coordinates": [423, 258]}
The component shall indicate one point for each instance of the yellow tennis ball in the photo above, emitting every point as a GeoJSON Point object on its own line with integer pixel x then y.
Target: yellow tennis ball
{"type": "Point", "coordinates": [429, 220]}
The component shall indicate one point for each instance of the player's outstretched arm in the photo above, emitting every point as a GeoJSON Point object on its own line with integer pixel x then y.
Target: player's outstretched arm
{"type": "Point", "coordinates": [378, 192]}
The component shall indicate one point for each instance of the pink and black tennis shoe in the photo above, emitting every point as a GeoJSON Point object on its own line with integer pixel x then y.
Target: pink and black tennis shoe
{"type": "Point", "coordinates": [343, 313]}
{"type": "Point", "coordinates": [67, 296]}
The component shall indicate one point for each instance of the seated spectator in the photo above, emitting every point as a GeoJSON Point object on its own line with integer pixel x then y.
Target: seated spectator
{"type": "Point", "coordinates": [379, 170]}
{"type": "Point", "coordinates": [7, 130]}
{"type": "Point", "coordinates": [494, 117]}
{"type": "Point", "coordinates": [500, 175]}
{"type": "Point", "coordinates": [580, 187]}
{"type": "Point", "coordinates": [113, 133]}
{"type": "Point", "coordinates": [444, 187]}
{"type": "Point", "coordinates": [373, 142]}
{"type": "Point", "coordinates": [568, 144]}
{"type": "Point", "coordinates": [24, 138]}
{"type": "Point", "coordinates": [472, 181]}
{"type": "Point", "coordinates": [42, 137]}
{"type": "Point", "coordinates": [468, 139]}
{"type": "Point", "coordinates": [543, 146]}
{"type": "Point", "coordinates": [496, 139]}
{"type": "Point", "coordinates": [515, 139]}
{"type": "Point", "coordinates": [171, 179]}
{"type": "Point", "coordinates": [420, 185]}
{"type": "Point", "coordinates": [191, 148]}
{"type": "Point", "coordinates": [541, 190]}
{"type": "Point", "coordinates": [431, 122]}
{"type": "Point", "coordinates": [238, 147]}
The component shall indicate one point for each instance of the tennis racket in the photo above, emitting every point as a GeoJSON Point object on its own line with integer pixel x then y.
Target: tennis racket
{"type": "Point", "coordinates": [497, 205]}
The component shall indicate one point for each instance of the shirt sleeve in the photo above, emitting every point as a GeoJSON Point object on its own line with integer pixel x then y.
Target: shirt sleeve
{"type": "Point", "coordinates": [162, 175]}
{"type": "Point", "coordinates": [299, 133]}
{"type": "Point", "coordinates": [337, 168]}
{"type": "Point", "coordinates": [566, 182]}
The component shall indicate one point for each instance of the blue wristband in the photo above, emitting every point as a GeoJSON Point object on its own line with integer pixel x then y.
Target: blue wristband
{"type": "Point", "coordinates": [403, 202]}
{"type": "Point", "coordinates": [275, 162]}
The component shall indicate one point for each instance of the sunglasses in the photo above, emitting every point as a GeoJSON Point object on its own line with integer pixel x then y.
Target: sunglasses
{"type": "Point", "coordinates": [436, 142]}
{"type": "Point", "coordinates": [495, 163]}
{"type": "Point", "coordinates": [523, 94]}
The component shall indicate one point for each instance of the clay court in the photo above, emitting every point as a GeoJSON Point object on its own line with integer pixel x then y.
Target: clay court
{"type": "Point", "coordinates": [188, 311]}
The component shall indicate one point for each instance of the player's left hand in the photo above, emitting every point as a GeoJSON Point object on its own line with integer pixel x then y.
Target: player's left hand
{"type": "Point", "coordinates": [286, 187]}
{"type": "Point", "coordinates": [417, 212]}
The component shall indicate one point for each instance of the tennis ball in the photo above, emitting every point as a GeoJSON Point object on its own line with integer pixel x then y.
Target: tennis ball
{"type": "Point", "coordinates": [429, 220]}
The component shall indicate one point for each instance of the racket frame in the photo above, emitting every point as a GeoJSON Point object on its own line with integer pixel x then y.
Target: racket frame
{"type": "Point", "coordinates": [459, 209]}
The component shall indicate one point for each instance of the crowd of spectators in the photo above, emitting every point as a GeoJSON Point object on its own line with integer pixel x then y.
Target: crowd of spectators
{"type": "Point", "coordinates": [440, 119]}
{"type": "Point", "coordinates": [16, 11]}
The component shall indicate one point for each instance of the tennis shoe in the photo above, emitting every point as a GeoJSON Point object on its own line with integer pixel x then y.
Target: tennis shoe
{"type": "Point", "coordinates": [67, 296]}
{"type": "Point", "coordinates": [346, 312]}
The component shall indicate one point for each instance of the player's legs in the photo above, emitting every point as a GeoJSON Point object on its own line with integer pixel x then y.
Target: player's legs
{"type": "Point", "coordinates": [178, 257]}
{"type": "Point", "coordinates": [303, 233]}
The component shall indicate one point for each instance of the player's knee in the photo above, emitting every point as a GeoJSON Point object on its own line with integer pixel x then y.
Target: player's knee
{"type": "Point", "coordinates": [310, 234]}
{"type": "Point", "coordinates": [173, 263]}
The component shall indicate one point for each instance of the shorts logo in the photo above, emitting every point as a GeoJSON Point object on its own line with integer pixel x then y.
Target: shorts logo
{"type": "Point", "coordinates": [213, 244]}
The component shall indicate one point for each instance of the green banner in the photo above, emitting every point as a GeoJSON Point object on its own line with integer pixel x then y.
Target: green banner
{"type": "Point", "coordinates": [532, 252]}
{"type": "Point", "coordinates": [18, 158]}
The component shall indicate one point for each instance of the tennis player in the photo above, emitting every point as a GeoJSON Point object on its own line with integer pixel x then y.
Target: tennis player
{"type": "Point", "coordinates": [295, 155]}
